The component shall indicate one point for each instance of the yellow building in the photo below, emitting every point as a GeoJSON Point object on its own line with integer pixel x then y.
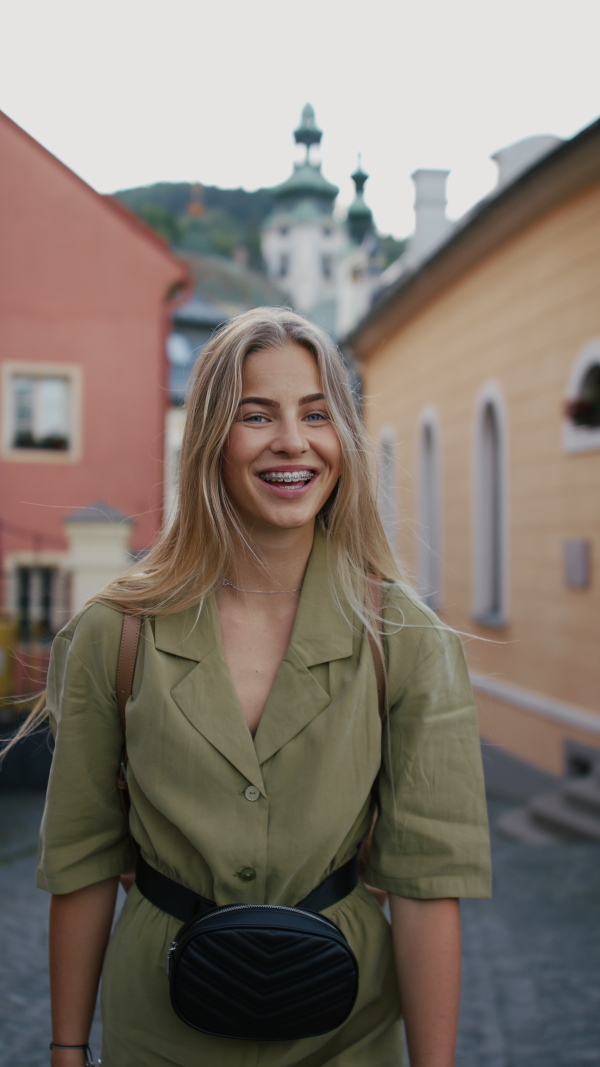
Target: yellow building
{"type": "Point", "coordinates": [481, 369]}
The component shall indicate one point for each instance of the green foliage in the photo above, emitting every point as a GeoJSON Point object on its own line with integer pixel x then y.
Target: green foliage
{"type": "Point", "coordinates": [172, 196]}
{"type": "Point", "coordinates": [216, 232]}
{"type": "Point", "coordinates": [162, 221]}
{"type": "Point", "coordinates": [230, 219]}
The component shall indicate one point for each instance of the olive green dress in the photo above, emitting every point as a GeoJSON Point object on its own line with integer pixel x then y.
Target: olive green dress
{"type": "Point", "coordinates": [313, 761]}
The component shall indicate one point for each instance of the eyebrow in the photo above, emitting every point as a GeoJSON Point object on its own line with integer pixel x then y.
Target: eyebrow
{"type": "Point", "coordinates": [265, 402]}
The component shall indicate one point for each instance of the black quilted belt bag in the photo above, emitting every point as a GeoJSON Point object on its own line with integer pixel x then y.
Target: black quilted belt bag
{"type": "Point", "coordinates": [258, 972]}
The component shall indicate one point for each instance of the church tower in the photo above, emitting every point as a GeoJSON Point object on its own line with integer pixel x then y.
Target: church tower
{"type": "Point", "coordinates": [301, 240]}
{"type": "Point", "coordinates": [327, 268]}
{"type": "Point", "coordinates": [360, 216]}
{"type": "Point", "coordinates": [358, 265]}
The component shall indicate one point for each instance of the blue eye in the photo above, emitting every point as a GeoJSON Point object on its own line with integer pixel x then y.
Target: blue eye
{"type": "Point", "coordinates": [317, 416]}
{"type": "Point", "coordinates": [256, 418]}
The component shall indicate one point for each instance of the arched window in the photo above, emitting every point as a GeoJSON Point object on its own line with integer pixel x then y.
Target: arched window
{"type": "Point", "coordinates": [585, 410]}
{"type": "Point", "coordinates": [388, 490]}
{"type": "Point", "coordinates": [428, 529]}
{"type": "Point", "coordinates": [582, 404]}
{"type": "Point", "coordinates": [490, 510]}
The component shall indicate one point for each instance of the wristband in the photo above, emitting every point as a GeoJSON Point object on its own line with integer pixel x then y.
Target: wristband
{"type": "Point", "coordinates": [89, 1059]}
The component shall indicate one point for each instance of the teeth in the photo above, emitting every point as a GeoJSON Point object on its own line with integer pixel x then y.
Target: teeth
{"type": "Point", "coordinates": [287, 477]}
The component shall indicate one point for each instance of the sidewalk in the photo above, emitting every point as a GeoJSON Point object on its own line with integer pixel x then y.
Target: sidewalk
{"type": "Point", "coordinates": [24, 994]}
{"type": "Point", "coordinates": [531, 991]}
{"type": "Point", "coordinates": [531, 988]}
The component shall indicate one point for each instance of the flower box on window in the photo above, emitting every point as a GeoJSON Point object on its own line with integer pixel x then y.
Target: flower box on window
{"type": "Point", "coordinates": [583, 412]}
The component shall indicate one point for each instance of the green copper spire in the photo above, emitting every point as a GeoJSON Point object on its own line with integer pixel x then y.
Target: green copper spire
{"type": "Point", "coordinates": [308, 132]}
{"type": "Point", "coordinates": [360, 176]}
{"type": "Point", "coordinates": [360, 216]}
{"type": "Point", "coordinates": [307, 183]}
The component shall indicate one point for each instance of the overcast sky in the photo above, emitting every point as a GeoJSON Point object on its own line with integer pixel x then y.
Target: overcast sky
{"type": "Point", "coordinates": [129, 92]}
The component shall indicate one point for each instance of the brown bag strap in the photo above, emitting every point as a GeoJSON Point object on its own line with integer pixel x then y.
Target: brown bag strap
{"type": "Point", "coordinates": [377, 652]}
{"type": "Point", "coordinates": [126, 664]}
{"type": "Point", "coordinates": [130, 639]}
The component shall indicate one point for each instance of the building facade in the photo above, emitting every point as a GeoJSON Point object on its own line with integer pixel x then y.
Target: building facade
{"type": "Point", "coordinates": [86, 297]}
{"type": "Point", "coordinates": [481, 362]}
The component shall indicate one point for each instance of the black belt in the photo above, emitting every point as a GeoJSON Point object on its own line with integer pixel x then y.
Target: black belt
{"type": "Point", "coordinates": [184, 904]}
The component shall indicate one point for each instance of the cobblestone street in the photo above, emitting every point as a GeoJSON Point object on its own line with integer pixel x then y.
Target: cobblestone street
{"type": "Point", "coordinates": [24, 995]}
{"type": "Point", "coordinates": [531, 992]}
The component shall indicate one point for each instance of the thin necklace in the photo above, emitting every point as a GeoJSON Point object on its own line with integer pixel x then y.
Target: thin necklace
{"type": "Point", "coordinates": [268, 592]}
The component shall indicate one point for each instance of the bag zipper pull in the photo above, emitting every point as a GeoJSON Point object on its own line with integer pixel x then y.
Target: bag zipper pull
{"type": "Point", "coordinates": [172, 948]}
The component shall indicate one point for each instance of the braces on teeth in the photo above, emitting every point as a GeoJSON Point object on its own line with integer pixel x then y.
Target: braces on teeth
{"type": "Point", "coordinates": [287, 477]}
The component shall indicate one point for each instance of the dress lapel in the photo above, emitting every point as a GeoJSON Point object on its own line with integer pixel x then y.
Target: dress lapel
{"type": "Point", "coordinates": [206, 695]}
{"type": "Point", "coordinates": [320, 634]}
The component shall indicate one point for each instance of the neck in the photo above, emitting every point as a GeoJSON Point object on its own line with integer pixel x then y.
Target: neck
{"type": "Point", "coordinates": [279, 561]}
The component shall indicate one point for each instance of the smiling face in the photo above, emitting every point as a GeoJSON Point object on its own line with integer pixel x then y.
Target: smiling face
{"type": "Point", "coordinates": [282, 458]}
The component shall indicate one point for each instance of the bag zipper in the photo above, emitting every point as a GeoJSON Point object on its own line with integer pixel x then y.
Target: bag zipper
{"type": "Point", "coordinates": [246, 907]}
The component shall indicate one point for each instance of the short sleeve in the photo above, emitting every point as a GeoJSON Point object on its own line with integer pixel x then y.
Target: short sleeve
{"type": "Point", "coordinates": [84, 836]}
{"type": "Point", "coordinates": [431, 838]}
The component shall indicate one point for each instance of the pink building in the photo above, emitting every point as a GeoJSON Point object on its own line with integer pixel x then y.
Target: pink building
{"type": "Point", "coordinates": [86, 295]}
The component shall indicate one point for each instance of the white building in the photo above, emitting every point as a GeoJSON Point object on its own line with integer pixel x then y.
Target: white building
{"type": "Point", "coordinates": [326, 267]}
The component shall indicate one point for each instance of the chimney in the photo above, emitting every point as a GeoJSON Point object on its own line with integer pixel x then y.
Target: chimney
{"type": "Point", "coordinates": [431, 223]}
{"type": "Point", "coordinates": [516, 158]}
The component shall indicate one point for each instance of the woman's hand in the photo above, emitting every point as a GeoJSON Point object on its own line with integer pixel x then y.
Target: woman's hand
{"type": "Point", "coordinates": [426, 936]}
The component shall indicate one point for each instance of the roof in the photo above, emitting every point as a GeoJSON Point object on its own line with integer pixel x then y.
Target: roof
{"type": "Point", "coordinates": [98, 513]}
{"type": "Point", "coordinates": [306, 180]}
{"type": "Point", "coordinates": [359, 208]}
{"type": "Point", "coordinates": [229, 287]}
{"type": "Point", "coordinates": [573, 166]}
{"type": "Point", "coordinates": [131, 221]}
{"type": "Point", "coordinates": [304, 211]}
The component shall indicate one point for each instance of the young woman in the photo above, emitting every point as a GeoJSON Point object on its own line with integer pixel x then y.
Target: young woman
{"type": "Point", "coordinates": [254, 734]}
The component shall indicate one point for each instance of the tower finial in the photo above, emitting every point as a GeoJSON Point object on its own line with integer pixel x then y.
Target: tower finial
{"type": "Point", "coordinates": [360, 176]}
{"type": "Point", "coordinates": [307, 132]}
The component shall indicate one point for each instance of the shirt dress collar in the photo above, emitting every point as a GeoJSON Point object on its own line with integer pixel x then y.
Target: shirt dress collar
{"type": "Point", "coordinates": [207, 696]}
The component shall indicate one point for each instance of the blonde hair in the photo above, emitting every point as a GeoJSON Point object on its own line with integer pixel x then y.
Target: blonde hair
{"type": "Point", "coordinates": [191, 557]}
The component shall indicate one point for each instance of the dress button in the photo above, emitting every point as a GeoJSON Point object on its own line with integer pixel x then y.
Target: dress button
{"type": "Point", "coordinates": [247, 874]}
{"type": "Point", "coordinates": [252, 793]}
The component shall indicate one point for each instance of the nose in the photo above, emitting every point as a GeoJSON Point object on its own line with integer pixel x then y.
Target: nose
{"type": "Point", "coordinates": [290, 438]}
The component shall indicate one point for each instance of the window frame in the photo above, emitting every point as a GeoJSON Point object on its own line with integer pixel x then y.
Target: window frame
{"type": "Point", "coordinates": [58, 562]}
{"type": "Point", "coordinates": [25, 369]}
{"type": "Point", "coordinates": [490, 396]}
{"type": "Point", "coordinates": [429, 499]}
{"type": "Point", "coordinates": [581, 438]}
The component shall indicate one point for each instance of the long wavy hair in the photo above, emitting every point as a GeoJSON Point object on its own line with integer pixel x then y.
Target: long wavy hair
{"type": "Point", "coordinates": [196, 551]}
{"type": "Point", "coordinates": [192, 556]}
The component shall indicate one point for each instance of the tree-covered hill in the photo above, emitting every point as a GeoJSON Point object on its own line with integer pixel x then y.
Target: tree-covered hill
{"type": "Point", "coordinates": [212, 221]}
{"type": "Point", "coordinates": [203, 219]}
